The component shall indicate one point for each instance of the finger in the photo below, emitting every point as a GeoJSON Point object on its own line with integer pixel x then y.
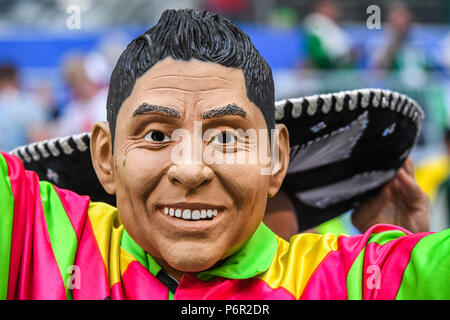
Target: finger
{"type": "Point", "coordinates": [399, 184]}
{"type": "Point", "coordinates": [408, 189]}
{"type": "Point", "coordinates": [405, 179]}
{"type": "Point", "coordinates": [407, 185]}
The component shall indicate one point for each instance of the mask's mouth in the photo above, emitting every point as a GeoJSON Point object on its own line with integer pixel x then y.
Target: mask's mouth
{"type": "Point", "coordinates": [191, 214]}
{"type": "Point", "coordinates": [191, 211]}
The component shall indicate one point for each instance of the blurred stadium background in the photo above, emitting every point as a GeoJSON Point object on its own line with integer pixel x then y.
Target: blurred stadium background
{"type": "Point", "coordinates": [56, 57]}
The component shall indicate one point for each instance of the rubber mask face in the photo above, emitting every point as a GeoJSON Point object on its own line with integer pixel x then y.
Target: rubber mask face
{"type": "Point", "coordinates": [175, 197]}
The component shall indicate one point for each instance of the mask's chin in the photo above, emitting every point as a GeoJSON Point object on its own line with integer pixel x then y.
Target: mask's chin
{"type": "Point", "coordinates": [192, 258]}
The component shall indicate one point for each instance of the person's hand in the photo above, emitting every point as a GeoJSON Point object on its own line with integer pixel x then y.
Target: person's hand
{"type": "Point", "coordinates": [401, 202]}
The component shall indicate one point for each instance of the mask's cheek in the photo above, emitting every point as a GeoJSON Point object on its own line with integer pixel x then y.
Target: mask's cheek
{"type": "Point", "coordinates": [140, 170]}
{"type": "Point", "coordinates": [245, 185]}
{"type": "Point", "coordinates": [135, 180]}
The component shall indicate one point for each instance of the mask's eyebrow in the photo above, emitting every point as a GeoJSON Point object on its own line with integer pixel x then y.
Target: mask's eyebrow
{"type": "Point", "coordinates": [152, 108]}
{"type": "Point", "coordinates": [230, 109]}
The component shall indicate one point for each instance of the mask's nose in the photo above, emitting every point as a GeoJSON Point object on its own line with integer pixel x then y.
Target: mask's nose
{"type": "Point", "coordinates": [190, 175]}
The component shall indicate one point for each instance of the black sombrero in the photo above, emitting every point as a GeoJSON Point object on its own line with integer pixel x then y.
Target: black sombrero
{"type": "Point", "coordinates": [345, 147]}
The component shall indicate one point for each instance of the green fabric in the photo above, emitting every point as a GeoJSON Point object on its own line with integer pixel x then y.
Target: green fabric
{"type": "Point", "coordinates": [153, 266]}
{"type": "Point", "coordinates": [385, 236]}
{"type": "Point", "coordinates": [254, 258]}
{"type": "Point", "coordinates": [335, 226]}
{"type": "Point", "coordinates": [128, 244]}
{"type": "Point", "coordinates": [62, 235]}
{"type": "Point", "coordinates": [427, 275]}
{"type": "Point", "coordinates": [354, 278]}
{"type": "Point", "coordinates": [146, 260]}
{"type": "Point", "coordinates": [6, 223]}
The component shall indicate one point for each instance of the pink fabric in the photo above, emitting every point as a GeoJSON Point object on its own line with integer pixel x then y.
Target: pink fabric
{"type": "Point", "coordinates": [378, 228]}
{"type": "Point", "coordinates": [47, 282]}
{"type": "Point", "coordinates": [76, 208]}
{"type": "Point", "coordinates": [94, 283]}
{"type": "Point", "coordinates": [139, 284]}
{"type": "Point", "coordinates": [384, 266]}
{"type": "Point", "coordinates": [191, 288]}
{"type": "Point", "coordinates": [34, 273]}
{"type": "Point", "coordinates": [334, 268]}
{"type": "Point", "coordinates": [337, 264]}
{"type": "Point", "coordinates": [117, 292]}
{"type": "Point", "coordinates": [22, 224]}
{"type": "Point", "coordinates": [330, 270]}
{"type": "Point", "coordinates": [351, 247]}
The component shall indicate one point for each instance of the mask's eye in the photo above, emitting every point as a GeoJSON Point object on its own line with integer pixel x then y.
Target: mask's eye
{"type": "Point", "coordinates": [156, 136]}
{"type": "Point", "coordinates": [225, 137]}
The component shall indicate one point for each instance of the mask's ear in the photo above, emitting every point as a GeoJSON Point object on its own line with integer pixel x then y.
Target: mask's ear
{"type": "Point", "coordinates": [102, 157]}
{"type": "Point", "coordinates": [280, 158]}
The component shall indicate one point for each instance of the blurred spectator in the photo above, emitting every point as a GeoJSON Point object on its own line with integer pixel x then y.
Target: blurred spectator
{"type": "Point", "coordinates": [398, 53]}
{"type": "Point", "coordinates": [399, 26]}
{"type": "Point", "coordinates": [327, 45]}
{"type": "Point", "coordinates": [21, 117]}
{"type": "Point", "coordinates": [88, 103]}
{"type": "Point", "coordinates": [44, 95]}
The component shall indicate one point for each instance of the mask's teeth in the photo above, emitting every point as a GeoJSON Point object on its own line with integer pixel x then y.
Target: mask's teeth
{"type": "Point", "coordinates": [195, 215]}
{"type": "Point", "coordinates": [188, 214]}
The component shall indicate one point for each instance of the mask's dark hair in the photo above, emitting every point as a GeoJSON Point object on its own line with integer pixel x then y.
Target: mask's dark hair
{"type": "Point", "coordinates": [186, 34]}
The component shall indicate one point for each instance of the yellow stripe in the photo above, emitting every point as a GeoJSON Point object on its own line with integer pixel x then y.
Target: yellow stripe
{"type": "Point", "coordinates": [295, 261]}
{"type": "Point", "coordinates": [125, 260]}
{"type": "Point", "coordinates": [108, 232]}
{"type": "Point", "coordinates": [115, 257]}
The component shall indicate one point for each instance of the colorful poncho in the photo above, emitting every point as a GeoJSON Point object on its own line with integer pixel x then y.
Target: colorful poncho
{"type": "Point", "coordinates": [55, 244]}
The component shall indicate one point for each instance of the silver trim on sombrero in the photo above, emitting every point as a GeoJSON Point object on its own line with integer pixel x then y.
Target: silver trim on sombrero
{"type": "Point", "coordinates": [333, 147]}
{"type": "Point", "coordinates": [377, 98]}
{"type": "Point", "coordinates": [37, 150]}
{"type": "Point", "coordinates": [51, 144]}
{"type": "Point", "coordinates": [333, 193]}
{"type": "Point", "coordinates": [329, 148]}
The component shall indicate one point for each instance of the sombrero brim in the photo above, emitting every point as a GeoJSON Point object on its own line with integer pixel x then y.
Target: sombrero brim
{"type": "Point", "coordinates": [344, 148]}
